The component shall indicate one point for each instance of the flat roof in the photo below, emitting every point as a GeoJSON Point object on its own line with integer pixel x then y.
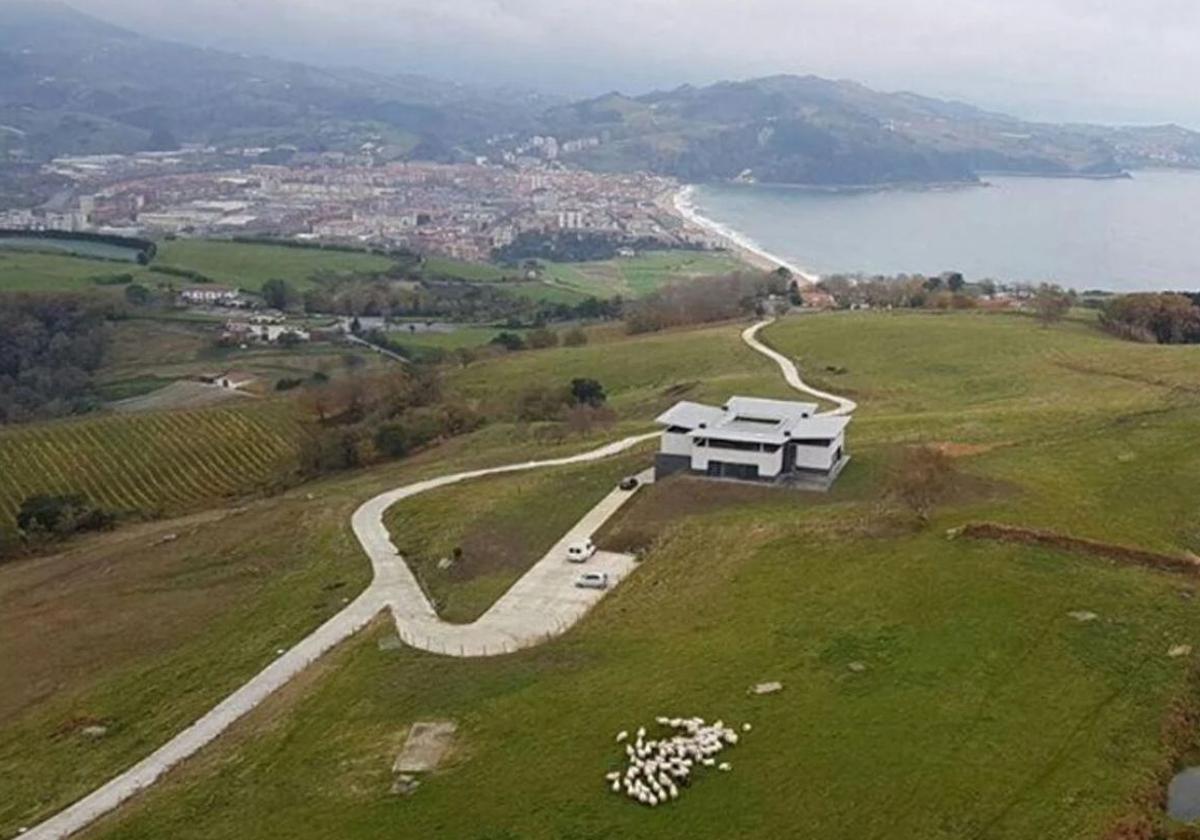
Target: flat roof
{"type": "Point", "coordinates": [690, 415]}
{"type": "Point", "coordinates": [754, 420]}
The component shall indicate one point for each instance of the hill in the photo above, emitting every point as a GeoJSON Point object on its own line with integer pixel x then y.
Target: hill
{"type": "Point", "coordinates": [809, 130]}
{"type": "Point", "coordinates": [70, 83]}
{"type": "Point", "coordinates": [932, 688]}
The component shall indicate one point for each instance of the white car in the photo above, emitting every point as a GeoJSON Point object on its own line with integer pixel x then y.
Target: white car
{"type": "Point", "coordinates": [592, 580]}
{"type": "Point", "coordinates": [581, 552]}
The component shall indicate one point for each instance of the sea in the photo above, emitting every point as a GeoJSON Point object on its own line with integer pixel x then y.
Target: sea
{"type": "Point", "coordinates": [1129, 234]}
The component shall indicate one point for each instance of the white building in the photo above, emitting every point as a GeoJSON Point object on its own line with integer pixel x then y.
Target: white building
{"type": "Point", "coordinates": [211, 294]}
{"type": "Point", "coordinates": [753, 440]}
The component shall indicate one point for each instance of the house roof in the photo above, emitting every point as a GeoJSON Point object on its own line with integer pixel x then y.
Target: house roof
{"type": "Point", "coordinates": [754, 420]}
{"type": "Point", "coordinates": [690, 415]}
{"type": "Point", "coordinates": [779, 410]}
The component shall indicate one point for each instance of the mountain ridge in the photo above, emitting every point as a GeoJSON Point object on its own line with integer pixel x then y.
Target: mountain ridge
{"type": "Point", "coordinates": [71, 83]}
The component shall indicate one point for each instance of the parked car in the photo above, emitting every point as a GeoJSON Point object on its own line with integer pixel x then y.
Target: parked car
{"type": "Point", "coordinates": [629, 482]}
{"type": "Point", "coordinates": [592, 580]}
{"type": "Point", "coordinates": [581, 552]}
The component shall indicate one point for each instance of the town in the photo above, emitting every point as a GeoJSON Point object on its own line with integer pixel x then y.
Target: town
{"type": "Point", "coordinates": [465, 211]}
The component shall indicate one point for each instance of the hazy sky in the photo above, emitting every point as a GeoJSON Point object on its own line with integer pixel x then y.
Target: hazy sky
{"type": "Point", "coordinates": [1104, 60]}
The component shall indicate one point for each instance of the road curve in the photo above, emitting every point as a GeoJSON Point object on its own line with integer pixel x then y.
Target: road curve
{"type": "Point", "coordinates": [505, 627]}
{"type": "Point", "coordinates": [792, 375]}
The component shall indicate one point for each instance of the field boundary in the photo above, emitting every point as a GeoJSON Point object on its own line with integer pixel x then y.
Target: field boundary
{"type": "Point", "coordinates": [1079, 545]}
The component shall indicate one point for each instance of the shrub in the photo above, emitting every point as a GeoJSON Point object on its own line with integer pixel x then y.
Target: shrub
{"type": "Point", "coordinates": [137, 294]}
{"type": "Point", "coordinates": [541, 338]}
{"type": "Point", "coordinates": [1051, 303]}
{"type": "Point", "coordinates": [509, 341]}
{"type": "Point", "coordinates": [61, 515]}
{"type": "Point", "coordinates": [574, 337]}
{"type": "Point", "coordinates": [588, 392]}
{"type": "Point", "coordinates": [1147, 316]}
{"type": "Point", "coordinates": [542, 402]}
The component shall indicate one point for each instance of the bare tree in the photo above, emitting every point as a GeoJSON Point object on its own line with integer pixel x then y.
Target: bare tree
{"type": "Point", "coordinates": [1050, 303]}
{"type": "Point", "coordinates": [919, 478]}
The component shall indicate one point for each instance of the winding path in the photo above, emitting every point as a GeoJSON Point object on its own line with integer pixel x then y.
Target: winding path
{"type": "Point", "coordinates": [542, 604]}
{"type": "Point", "coordinates": [792, 375]}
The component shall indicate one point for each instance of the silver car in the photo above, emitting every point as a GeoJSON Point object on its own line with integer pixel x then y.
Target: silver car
{"type": "Point", "coordinates": [592, 580]}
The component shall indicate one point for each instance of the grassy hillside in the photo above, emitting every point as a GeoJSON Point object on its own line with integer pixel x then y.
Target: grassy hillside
{"type": "Point", "coordinates": [154, 462]}
{"type": "Point", "coordinates": [978, 707]}
{"type": "Point", "coordinates": [643, 375]}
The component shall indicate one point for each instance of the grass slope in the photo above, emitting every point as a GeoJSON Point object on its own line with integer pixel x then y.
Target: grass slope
{"type": "Point", "coordinates": [642, 374]}
{"type": "Point", "coordinates": [984, 709]}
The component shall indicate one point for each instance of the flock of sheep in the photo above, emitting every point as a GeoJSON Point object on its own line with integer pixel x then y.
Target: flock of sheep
{"type": "Point", "coordinates": [658, 768]}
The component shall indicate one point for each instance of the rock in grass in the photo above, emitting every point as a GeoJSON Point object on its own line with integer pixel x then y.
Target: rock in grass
{"type": "Point", "coordinates": [857, 667]}
{"type": "Point", "coordinates": [1083, 615]}
{"type": "Point", "coordinates": [1177, 651]}
{"type": "Point", "coordinates": [766, 688]}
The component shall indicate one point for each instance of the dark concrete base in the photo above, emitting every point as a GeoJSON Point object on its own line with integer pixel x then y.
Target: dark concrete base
{"type": "Point", "coordinates": [811, 480]}
{"type": "Point", "coordinates": [665, 465]}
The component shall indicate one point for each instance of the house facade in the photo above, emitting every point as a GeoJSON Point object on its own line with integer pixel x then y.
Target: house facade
{"type": "Point", "coordinates": [752, 439]}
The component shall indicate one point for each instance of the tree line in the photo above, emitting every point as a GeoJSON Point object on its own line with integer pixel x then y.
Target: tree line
{"type": "Point", "coordinates": [50, 345]}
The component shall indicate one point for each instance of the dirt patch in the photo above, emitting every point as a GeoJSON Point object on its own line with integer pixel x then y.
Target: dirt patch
{"type": "Point", "coordinates": [963, 450]}
{"type": "Point", "coordinates": [427, 744]}
{"type": "Point", "coordinates": [1124, 554]}
{"type": "Point", "coordinates": [665, 503]}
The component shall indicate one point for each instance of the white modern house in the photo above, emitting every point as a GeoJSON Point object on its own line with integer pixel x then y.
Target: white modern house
{"type": "Point", "coordinates": [753, 439]}
{"type": "Point", "coordinates": [211, 294]}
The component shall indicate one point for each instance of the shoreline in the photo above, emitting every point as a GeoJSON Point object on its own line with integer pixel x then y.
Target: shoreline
{"type": "Point", "coordinates": [747, 248]}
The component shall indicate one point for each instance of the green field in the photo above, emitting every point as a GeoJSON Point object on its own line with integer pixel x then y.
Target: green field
{"type": "Point", "coordinates": [978, 706]}
{"type": "Point", "coordinates": [244, 265]}
{"type": "Point", "coordinates": [248, 266]}
{"type": "Point", "coordinates": [22, 271]}
{"type": "Point", "coordinates": [633, 277]}
{"type": "Point", "coordinates": [149, 463]}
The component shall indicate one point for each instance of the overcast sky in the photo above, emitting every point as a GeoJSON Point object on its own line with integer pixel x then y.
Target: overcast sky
{"type": "Point", "coordinates": [1102, 60]}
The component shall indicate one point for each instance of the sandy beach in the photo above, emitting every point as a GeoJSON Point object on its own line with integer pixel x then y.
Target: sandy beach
{"type": "Point", "coordinates": [747, 248]}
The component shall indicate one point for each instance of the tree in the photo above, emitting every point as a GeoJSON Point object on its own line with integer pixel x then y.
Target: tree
{"type": "Point", "coordinates": [954, 281]}
{"type": "Point", "coordinates": [137, 294]}
{"type": "Point", "coordinates": [509, 341]}
{"type": "Point", "coordinates": [392, 439]}
{"type": "Point", "coordinates": [1147, 316]}
{"type": "Point", "coordinates": [919, 478]}
{"type": "Point", "coordinates": [1050, 303]}
{"type": "Point", "coordinates": [588, 392]}
{"type": "Point", "coordinates": [277, 293]}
